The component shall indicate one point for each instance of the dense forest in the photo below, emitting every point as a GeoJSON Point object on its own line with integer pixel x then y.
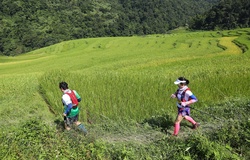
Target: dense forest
{"type": "Point", "coordinates": [228, 14]}
{"type": "Point", "coordinates": [32, 24]}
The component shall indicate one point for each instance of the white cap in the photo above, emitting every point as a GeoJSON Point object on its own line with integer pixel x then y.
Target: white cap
{"type": "Point", "coordinates": [178, 81]}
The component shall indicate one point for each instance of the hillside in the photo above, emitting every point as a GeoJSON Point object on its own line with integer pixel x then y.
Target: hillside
{"type": "Point", "coordinates": [227, 14]}
{"type": "Point", "coordinates": [33, 24]}
{"type": "Point", "coordinates": [125, 84]}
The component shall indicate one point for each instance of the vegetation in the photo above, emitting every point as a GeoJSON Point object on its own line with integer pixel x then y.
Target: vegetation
{"type": "Point", "coordinates": [32, 24]}
{"type": "Point", "coordinates": [125, 83]}
{"type": "Point", "coordinates": [228, 14]}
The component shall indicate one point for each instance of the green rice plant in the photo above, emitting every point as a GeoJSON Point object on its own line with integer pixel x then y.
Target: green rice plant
{"type": "Point", "coordinates": [243, 47]}
{"type": "Point", "coordinates": [221, 46]}
{"type": "Point", "coordinates": [136, 87]}
{"type": "Point", "coordinates": [117, 96]}
{"type": "Point", "coordinates": [125, 84]}
{"type": "Point", "coordinates": [20, 100]}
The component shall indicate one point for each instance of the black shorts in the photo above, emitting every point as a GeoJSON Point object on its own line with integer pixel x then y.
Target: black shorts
{"type": "Point", "coordinates": [70, 120]}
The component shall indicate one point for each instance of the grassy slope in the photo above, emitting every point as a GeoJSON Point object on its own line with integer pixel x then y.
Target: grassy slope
{"type": "Point", "coordinates": [161, 55]}
{"type": "Point", "coordinates": [165, 57]}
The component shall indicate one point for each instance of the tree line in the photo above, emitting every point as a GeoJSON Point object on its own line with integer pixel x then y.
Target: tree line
{"type": "Point", "coordinates": [228, 14]}
{"type": "Point", "coordinates": [32, 24]}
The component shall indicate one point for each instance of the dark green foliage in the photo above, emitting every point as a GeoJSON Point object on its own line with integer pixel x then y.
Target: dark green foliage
{"type": "Point", "coordinates": [228, 14]}
{"type": "Point", "coordinates": [237, 135]}
{"type": "Point", "coordinates": [203, 148]}
{"type": "Point", "coordinates": [29, 25]}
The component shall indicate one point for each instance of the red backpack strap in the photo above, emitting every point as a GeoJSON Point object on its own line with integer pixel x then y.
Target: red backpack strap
{"type": "Point", "coordinates": [183, 94]}
{"type": "Point", "coordinates": [73, 98]}
{"type": "Point", "coordinates": [73, 93]}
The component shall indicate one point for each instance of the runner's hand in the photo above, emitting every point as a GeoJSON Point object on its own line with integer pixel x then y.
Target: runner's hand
{"type": "Point", "coordinates": [183, 104]}
{"type": "Point", "coordinates": [173, 96]}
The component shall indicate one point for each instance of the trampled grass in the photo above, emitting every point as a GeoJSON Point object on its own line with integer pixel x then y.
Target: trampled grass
{"type": "Point", "coordinates": [125, 79]}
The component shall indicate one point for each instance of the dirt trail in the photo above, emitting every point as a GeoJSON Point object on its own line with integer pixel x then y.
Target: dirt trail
{"type": "Point", "coordinates": [147, 136]}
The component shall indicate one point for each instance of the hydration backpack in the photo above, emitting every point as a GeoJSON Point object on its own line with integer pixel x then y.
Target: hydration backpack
{"type": "Point", "coordinates": [182, 95]}
{"type": "Point", "coordinates": [73, 98]}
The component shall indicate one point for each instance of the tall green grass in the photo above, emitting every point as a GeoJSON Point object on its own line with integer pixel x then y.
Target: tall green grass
{"type": "Point", "coordinates": [125, 84]}
{"type": "Point", "coordinates": [20, 100]}
{"type": "Point", "coordinates": [139, 88]}
{"type": "Point", "coordinates": [124, 78]}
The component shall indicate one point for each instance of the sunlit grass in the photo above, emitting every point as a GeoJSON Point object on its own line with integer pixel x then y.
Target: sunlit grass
{"type": "Point", "coordinates": [125, 84]}
{"type": "Point", "coordinates": [20, 100]}
{"type": "Point", "coordinates": [132, 77]}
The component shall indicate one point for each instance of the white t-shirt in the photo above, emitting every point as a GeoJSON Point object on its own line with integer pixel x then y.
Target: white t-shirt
{"type": "Point", "coordinates": [66, 98]}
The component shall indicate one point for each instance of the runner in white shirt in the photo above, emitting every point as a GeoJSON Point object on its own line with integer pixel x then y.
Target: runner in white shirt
{"type": "Point", "coordinates": [70, 99]}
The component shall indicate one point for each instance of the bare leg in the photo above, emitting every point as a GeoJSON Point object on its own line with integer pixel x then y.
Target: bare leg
{"type": "Point", "coordinates": [66, 122]}
{"type": "Point", "coordinates": [77, 123]}
{"type": "Point", "coordinates": [67, 127]}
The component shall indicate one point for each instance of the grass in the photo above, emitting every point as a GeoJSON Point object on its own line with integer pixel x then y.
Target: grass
{"type": "Point", "coordinates": [125, 84]}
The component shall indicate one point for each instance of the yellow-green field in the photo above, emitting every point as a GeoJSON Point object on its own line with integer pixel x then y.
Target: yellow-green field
{"type": "Point", "coordinates": [124, 80]}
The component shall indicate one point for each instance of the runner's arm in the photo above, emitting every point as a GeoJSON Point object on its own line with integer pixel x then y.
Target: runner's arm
{"type": "Point", "coordinates": [191, 99]}
{"type": "Point", "coordinates": [69, 106]}
{"type": "Point", "coordinates": [67, 101]}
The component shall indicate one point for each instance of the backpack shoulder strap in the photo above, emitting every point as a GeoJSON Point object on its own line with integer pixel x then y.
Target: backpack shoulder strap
{"type": "Point", "coordinates": [73, 97]}
{"type": "Point", "coordinates": [183, 93]}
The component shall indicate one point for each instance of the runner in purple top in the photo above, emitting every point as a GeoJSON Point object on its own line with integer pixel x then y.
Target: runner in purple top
{"type": "Point", "coordinates": [184, 99]}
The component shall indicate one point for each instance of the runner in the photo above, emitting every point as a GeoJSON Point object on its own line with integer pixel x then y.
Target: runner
{"type": "Point", "coordinates": [184, 99]}
{"type": "Point", "coordinates": [70, 101]}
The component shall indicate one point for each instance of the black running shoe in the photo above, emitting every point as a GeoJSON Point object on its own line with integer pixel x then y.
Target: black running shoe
{"type": "Point", "coordinates": [196, 125]}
